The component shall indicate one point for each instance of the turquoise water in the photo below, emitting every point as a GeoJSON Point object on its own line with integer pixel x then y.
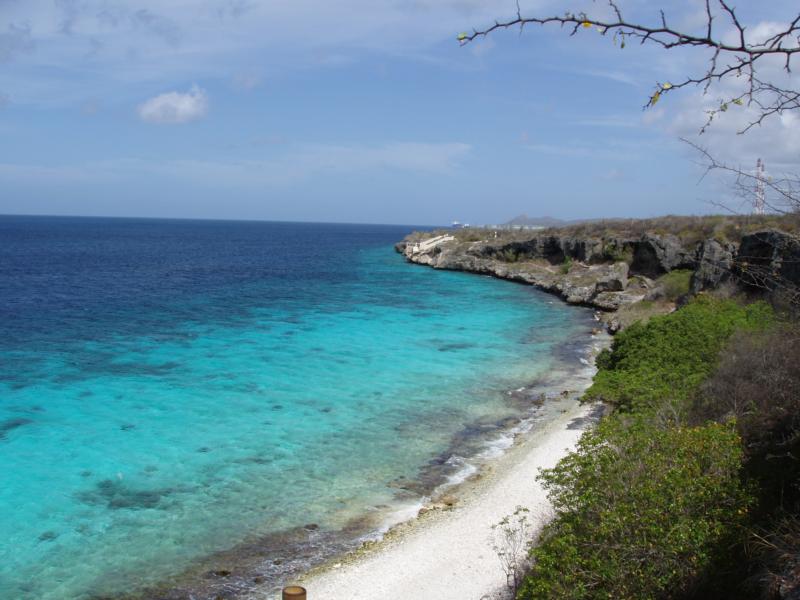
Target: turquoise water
{"type": "Point", "coordinates": [150, 429]}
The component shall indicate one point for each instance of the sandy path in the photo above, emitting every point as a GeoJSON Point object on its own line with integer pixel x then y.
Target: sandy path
{"type": "Point", "coordinates": [447, 554]}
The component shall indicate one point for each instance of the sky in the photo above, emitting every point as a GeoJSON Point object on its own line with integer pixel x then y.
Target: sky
{"type": "Point", "coordinates": [361, 111]}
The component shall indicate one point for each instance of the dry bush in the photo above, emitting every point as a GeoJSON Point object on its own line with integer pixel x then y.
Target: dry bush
{"type": "Point", "coordinates": [690, 229]}
{"type": "Point", "coordinates": [776, 550]}
{"type": "Point", "coordinates": [758, 383]}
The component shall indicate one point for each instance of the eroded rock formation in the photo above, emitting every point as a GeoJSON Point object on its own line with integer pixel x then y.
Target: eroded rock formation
{"type": "Point", "coordinates": [614, 272]}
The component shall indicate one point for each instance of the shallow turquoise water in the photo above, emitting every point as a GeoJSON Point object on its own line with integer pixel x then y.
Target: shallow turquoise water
{"type": "Point", "coordinates": [138, 439]}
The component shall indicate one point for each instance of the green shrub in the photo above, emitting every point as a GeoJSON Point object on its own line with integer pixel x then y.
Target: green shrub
{"type": "Point", "coordinates": [647, 510]}
{"type": "Point", "coordinates": [566, 265]}
{"type": "Point", "coordinates": [676, 283]}
{"type": "Point", "coordinates": [640, 512]}
{"type": "Point", "coordinates": [757, 382]}
{"type": "Point", "coordinates": [614, 253]}
{"type": "Point", "coordinates": [669, 356]}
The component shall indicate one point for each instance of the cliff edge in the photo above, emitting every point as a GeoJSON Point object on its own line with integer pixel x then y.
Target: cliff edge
{"type": "Point", "coordinates": [613, 272]}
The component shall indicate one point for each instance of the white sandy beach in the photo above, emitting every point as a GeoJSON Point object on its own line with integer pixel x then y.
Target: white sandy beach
{"type": "Point", "coordinates": [447, 554]}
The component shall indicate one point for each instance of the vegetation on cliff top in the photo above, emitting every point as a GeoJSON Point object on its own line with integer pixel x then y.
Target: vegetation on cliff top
{"type": "Point", "coordinates": [669, 356]}
{"type": "Point", "coordinates": [666, 496]}
{"type": "Point", "coordinates": [689, 229]}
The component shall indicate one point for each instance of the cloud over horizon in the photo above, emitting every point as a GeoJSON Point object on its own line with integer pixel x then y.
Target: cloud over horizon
{"type": "Point", "coordinates": [175, 107]}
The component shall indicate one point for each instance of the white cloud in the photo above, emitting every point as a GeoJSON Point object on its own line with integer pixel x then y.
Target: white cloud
{"type": "Point", "coordinates": [777, 140]}
{"type": "Point", "coordinates": [151, 41]}
{"type": "Point", "coordinates": [175, 107]}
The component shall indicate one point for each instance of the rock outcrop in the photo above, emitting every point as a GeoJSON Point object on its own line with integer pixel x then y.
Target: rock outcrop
{"type": "Point", "coordinates": [769, 260]}
{"type": "Point", "coordinates": [535, 263]}
{"type": "Point", "coordinates": [714, 265]}
{"type": "Point", "coordinates": [655, 255]}
{"type": "Point", "coordinates": [614, 272]}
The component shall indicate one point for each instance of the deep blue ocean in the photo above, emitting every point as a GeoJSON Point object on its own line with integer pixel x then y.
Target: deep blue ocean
{"type": "Point", "coordinates": [175, 393]}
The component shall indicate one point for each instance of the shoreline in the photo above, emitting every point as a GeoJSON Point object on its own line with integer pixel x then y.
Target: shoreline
{"type": "Point", "coordinates": [242, 571]}
{"type": "Point", "coordinates": [445, 550]}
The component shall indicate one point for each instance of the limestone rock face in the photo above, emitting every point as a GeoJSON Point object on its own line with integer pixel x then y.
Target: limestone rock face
{"type": "Point", "coordinates": [615, 280]}
{"type": "Point", "coordinates": [588, 271]}
{"type": "Point", "coordinates": [766, 257]}
{"type": "Point", "coordinates": [611, 301]}
{"type": "Point", "coordinates": [578, 284]}
{"type": "Point", "coordinates": [655, 255]}
{"type": "Point", "coordinates": [552, 248]}
{"type": "Point", "coordinates": [714, 265]}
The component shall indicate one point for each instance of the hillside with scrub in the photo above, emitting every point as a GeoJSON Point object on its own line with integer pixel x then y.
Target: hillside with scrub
{"type": "Point", "coordinates": [689, 487]}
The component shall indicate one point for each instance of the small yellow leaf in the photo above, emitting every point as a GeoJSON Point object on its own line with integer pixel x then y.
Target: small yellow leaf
{"type": "Point", "coordinates": [655, 98]}
{"type": "Point", "coordinates": [462, 37]}
{"type": "Point", "coordinates": [586, 24]}
{"type": "Point", "coordinates": [666, 86]}
{"type": "Point", "coordinates": [738, 102]}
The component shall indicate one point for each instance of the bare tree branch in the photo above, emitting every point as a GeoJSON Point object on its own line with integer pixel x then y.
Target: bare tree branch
{"type": "Point", "coordinates": [728, 59]}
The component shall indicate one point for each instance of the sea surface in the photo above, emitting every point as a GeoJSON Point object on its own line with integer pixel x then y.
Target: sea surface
{"type": "Point", "coordinates": [179, 395]}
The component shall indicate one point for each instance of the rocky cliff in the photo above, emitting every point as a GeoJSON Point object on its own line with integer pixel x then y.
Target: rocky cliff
{"type": "Point", "coordinates": [613, 272]}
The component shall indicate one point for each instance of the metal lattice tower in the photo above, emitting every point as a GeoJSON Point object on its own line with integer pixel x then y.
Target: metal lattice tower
{"type": "Point", "coordinates": [759, 200]}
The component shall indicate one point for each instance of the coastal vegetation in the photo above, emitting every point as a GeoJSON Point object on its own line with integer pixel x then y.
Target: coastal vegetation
{"type": "Point", "coordinates": [669, 356]}
{"type": "Point", "coordinates": [688, 489]}
{"type": "Point", "coordinates": [675, 284]}
{"type": "Point", "coordinates": [642, 510]}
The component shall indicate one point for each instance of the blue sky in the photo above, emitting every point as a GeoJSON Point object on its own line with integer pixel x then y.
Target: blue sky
{"type": "Point", "coordinates": [354, 111]}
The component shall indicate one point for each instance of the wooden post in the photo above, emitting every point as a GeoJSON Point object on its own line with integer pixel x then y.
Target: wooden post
{"type": "Point", "coordinates": [294, 592]}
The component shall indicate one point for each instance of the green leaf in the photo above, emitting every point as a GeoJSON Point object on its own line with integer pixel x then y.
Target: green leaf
{"type": "Point", "coordinates": [655, 98]}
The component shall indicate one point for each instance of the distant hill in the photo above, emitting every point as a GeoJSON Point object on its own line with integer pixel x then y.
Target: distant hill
{"type": "Point", "coordinates": [526, 221]}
